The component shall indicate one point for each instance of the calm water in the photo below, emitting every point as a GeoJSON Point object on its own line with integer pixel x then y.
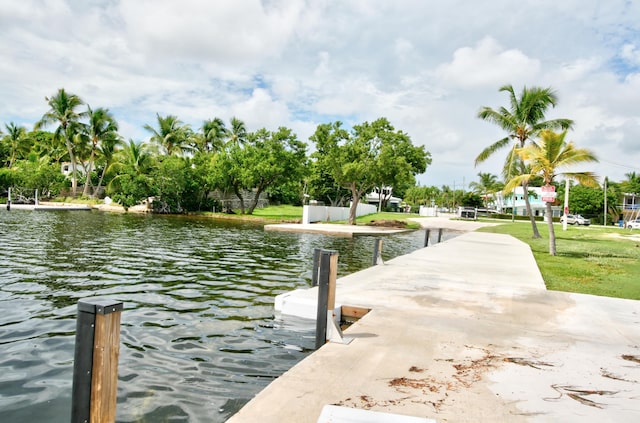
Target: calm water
{"type": "Point", "coordinates": [199, 336]}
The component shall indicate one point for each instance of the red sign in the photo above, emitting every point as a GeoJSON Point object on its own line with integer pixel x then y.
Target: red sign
{"type": "Point", "coordinates": [548, 193]}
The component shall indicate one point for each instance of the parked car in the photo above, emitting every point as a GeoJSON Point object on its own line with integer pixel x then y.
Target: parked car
{"type": "Point", "coordinates": [575, 219]}
{"type": "Point", "coordinates": [633, 224]}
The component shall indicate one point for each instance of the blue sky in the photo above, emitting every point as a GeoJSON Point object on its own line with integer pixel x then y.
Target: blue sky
{"type": "Point", "coordinates": [428, 66]}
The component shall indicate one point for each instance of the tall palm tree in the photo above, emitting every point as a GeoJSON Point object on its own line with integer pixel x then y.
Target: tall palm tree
{"type": "Point", "coordinates": [547, 158]}
{"type": "Point", "coordinates": [63, 112]}
{"type": "Point", "coordinates": [213, 134]}
{"type": "Point", "coordinates": [488, 184]}
{"type": "Point", "coordinates": [101, 126]}
{"type": "Point", "coordinates": [523, 121]}
{"type": "Point", "coordinates": [17, 142]}
{"type": "Point", "coordinates": [172, 136]}
{"type": "Point", "coordinates": [107, 152]}
{"type": "Point", "coordinates": [237, 134]}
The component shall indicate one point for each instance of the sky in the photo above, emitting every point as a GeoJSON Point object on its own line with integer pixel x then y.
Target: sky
{"type": "Point", "coordinates": [427, 66]}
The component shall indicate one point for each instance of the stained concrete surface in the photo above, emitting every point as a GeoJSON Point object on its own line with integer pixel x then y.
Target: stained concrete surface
{"type": "Point", "coordinates": [465, 331]}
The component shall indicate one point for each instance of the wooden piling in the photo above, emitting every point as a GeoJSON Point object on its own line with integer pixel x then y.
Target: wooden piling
{"type": "Point", "coordinates": [377, 251]}
{"type": "Point", "coordinates": [427, 234]}
{"type": "Point", "coordinates": [95, 370]}
{"type": "Point", "coordinates": [327, 276]}
{"type": "Point", "coordinates": [439, 235]}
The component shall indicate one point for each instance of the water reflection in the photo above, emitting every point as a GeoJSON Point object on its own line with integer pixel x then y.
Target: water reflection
{"type": "Point", "coordinates": [198, 334]}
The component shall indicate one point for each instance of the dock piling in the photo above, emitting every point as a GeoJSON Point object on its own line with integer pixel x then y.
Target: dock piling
{"type": "Point", "coordinates": [427, 234]}
{"type": "Point", "coordinates": [377, 251]}
{"type": "Point", "coordinates": [95, 368]}
{"type": "Point", "coordinates": [327, 275]}
{"type": "Point", "coordinates": [439, 235]}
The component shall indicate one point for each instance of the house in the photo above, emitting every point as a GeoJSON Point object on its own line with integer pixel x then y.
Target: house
{"type": "Point", "coordinates": [375, 196]}
{"type": "Point", "coordinates": [515, 203]}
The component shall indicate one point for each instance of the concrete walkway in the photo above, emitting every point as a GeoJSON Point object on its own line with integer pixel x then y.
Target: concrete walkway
{"type": "Point", "coordinates": [465, 331]}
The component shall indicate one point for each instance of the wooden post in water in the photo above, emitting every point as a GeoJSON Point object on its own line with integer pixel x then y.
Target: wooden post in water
{"type": "Point", "coordinates": [427, 234]}
{"type": "Point", "coordinates": [95, 367]}
{"type": "Point", "coordinates": [9, 199]}
{"type": "Point", "coordinates": [439, 235]}
{"type": "Point", "coordinates": [377, 251]}
{"type": "Point", "coordinates": [328, 270]}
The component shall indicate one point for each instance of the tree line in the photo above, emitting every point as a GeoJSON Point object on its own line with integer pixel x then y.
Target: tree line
{"type": "Point", "coordinates": [180, 167]}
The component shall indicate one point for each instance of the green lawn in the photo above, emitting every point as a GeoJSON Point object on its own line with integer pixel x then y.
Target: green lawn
{"type": "Point", "coordinates": [590, 260]}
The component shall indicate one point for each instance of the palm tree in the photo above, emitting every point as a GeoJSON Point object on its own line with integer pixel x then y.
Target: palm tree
{"type": "Point", "coordinates": [523, 121]}
{"type": "Point", "coordinates": [488, 184]}
{"type": "Point", "coordinates": [237, 134]}
{"type": "Point", "coordinates": [107, 152]}
{"type": "Point", "coordinates": [172, 136]}
{"type": "Point", "coordinates": [213, 134]}
{"type": "Point", "coordinates": [546, 158]}
{"type": "Point", "coordinates": [16, 141]}
{"type": "Point", "coordinates": [62, 110]}
{"type": "Point", "coordinates": [102, 126]}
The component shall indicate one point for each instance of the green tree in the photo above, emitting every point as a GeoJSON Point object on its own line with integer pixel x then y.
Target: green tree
{"type": "Point", "coordinates": [487, 185]}
{"type": "Point", "coordinates": [547, 158]}
{"type": "Point", "coordinates": [132, 183]}
{"type": "Point", "coordinates": [272, 159]}
{"type": "Point", "coordinates": [237, 133]}
{"type": "Point", "coordinates": [16, 142]}
{"type": "Point", "coordinates": [398, 162]}
{"type": "Point", "coordinates": [63, 112]}
{"type": "Point", "coordinates": [107, 157]}
{"type": "Point", "coordinates": [212, 138]}
{"type": "Point", "coordinates": [102, 127]}
{"type": "Point", "coordinates": [354, 160]}
{"type": "Point", "coordinates": [523, 121]}
{"type": "Point", "coordinates": [172, 136]}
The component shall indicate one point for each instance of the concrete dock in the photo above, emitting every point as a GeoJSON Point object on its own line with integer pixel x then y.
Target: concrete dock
{"type": "Point", "coordinates": [465, 331]}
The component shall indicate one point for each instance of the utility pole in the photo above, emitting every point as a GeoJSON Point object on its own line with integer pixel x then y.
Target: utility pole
{"type": "Point", "coordinates": [605, 201]}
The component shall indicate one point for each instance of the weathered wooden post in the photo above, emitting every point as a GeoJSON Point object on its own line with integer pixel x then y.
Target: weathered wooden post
{"type": "Point", "coordinates": [439, 235]}
{"type": "Point", "coordinates": [9, 199]}
{"type": "Point", "coordinates": [377, 251]}
{"type": "Point", "coordinates": [328, 270]}
{"type": "Point", "coordinates": [427, 234]}
{"type": "Point", "coordinates": [316, 264]}
{"type": "Point", "coordinates": [95, 368]}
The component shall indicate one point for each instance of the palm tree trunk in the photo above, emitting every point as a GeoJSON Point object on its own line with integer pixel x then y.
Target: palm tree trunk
{"type": "Point", "coordinates": [532, 218]}
{"type": "Point", "coordinates": [87, 182]}
{"type": "Point", "coordinates": [552, 233]}
{"type": "Point", "coordinates": [74, 170]}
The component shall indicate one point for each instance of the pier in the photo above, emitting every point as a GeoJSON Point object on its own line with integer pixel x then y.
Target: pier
{"type": "Point", "coordinates": [465, 331]}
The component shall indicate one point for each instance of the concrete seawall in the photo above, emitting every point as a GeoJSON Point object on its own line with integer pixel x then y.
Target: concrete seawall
{"type": "Point", "coordinates": [465, 331]}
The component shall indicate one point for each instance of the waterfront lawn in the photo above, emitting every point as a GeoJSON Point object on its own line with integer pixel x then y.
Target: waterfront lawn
{"type": "Point", "coordinates": [403, 217]}
{"type": "Point", "coordinates": [280, 213]}
{"type": "Point", "coordinates": [590, 260]}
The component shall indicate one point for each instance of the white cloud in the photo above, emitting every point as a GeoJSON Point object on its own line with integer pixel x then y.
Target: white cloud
{"type": "Point", "coordinates": [487, 64]}
{"type": "Point", "coordinates": [426, 66]}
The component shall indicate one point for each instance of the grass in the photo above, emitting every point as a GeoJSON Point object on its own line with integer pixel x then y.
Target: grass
{"type": "Point", "coordinates": [363, 220]}
{"type": "Point", "coordinates": [590, 260]}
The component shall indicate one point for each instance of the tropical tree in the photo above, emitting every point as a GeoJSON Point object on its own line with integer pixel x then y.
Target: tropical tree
{"type": "Point", "coordinates": [132, 183]}
{"type": "Point", "coordinates": [547, 158]}
{"type": "Point", "coordinates": [212, 137]}
{"type": "Point", "coordinates": [237, 133]}
{"type": "Point", "coordinates": [63, 112]}
{"type": "Point", "coordinates": [487, 185]}
{"type": "Point", "coordinates": [102, 127]}
{"type": "Point", "coordinates": [523, 121]}
{"type": "Point", "coordinates": [172, 136]}
{"type": "Point", "coordinates": [272, 159]}
{"type": "Point", "coordinates": [16, 141]}
{"type": "Point", "coordinates": [107, 156]}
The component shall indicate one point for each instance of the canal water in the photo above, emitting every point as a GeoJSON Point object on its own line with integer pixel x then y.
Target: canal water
{"type": "Point", "coordinates": [198, 338]}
